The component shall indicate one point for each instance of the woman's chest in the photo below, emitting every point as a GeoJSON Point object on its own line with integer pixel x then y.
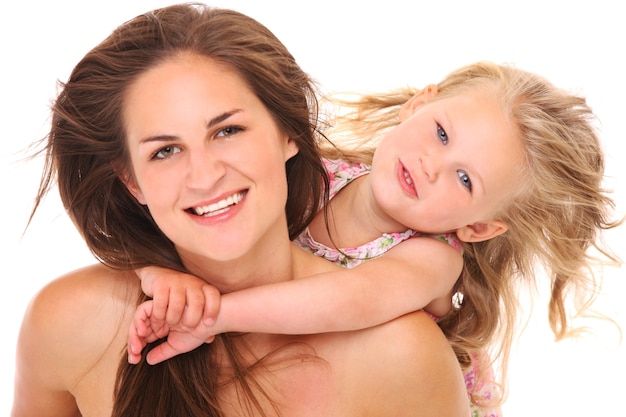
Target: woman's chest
{"type": "Point", "coordinates": [94, 392]}
{"type": "Point", "coordinates": [301, 378]}
{"type": "Point", "coordinates": [302, 390]}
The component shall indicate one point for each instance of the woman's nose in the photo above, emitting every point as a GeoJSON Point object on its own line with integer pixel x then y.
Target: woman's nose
{"type": "Point", "coordinates": [205, 169]}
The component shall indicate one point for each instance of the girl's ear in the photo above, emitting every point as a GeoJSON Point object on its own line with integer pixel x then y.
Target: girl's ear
{"type": "Point", "coordinates": [481, 231]}
{"type": "Point", "coordinates": [417, 100]}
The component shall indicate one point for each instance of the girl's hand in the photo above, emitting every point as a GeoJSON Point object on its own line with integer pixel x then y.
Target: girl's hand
{"type": "Point", "coordinates": [146, 329]}
{"type": "Point", "coordinates": [183, 307]}
{"type": "Point", "coordinates": [179, 297]}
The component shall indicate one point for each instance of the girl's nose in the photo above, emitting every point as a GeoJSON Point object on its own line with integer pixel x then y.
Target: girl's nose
{"type": "Point", "coordinates": [430, 167]}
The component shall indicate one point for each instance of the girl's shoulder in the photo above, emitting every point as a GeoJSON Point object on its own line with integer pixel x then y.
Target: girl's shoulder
{"type": "Point", "coordinates": [342, 172]}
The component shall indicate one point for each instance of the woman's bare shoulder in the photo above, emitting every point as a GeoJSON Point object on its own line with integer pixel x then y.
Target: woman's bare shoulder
{"type": "Point", "coordinates": [407, 367]}
{"type": "Point", "coordinates": [75, 317]}
{"type": "Point", "coordinates": [86, 290]}
{"type": "Point", "coordinates": [73, 328]}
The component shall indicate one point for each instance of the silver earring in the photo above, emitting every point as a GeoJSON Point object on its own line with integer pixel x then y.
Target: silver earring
{"type": "Point", "coordinates": [457, 300]}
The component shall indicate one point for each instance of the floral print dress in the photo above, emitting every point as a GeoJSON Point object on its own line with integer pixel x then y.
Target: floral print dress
{"type": "Point", "coordinates": [341, 173]}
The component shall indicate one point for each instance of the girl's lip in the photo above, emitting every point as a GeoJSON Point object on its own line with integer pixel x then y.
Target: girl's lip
{"type": "Point", "coordinates": [406, 180]}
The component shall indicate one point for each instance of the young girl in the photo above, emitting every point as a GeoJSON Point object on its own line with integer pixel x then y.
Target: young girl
{"type": "Point", "coordinates": [494, 156]}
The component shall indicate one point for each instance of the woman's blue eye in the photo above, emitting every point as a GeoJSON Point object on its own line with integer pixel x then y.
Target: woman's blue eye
{"type": "Point", "coordinates": [166, 152]}
{"type": "Point", "coordinates": [465, 179]}
{"type": "Point", "coordinates": [443, 136]}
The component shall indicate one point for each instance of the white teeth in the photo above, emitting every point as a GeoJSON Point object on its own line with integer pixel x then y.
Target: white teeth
{"type": "Point", "coordinates": [219, 207]}
{"type": "Point", "coordinates": [408, 178]}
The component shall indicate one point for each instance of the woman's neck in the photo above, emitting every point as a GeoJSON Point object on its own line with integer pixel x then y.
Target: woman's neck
{"type": "Point", "coordinates": [264, 264]}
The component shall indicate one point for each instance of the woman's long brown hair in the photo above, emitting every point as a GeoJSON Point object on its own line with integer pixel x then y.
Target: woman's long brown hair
{"type": "Point", "coordinates": [86, 150]}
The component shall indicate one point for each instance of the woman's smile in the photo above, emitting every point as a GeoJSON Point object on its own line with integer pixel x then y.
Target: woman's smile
{"type": "Point", "coordinates": [219, 207]}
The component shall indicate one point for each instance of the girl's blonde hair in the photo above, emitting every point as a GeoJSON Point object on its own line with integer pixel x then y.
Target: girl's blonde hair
{"type": "Point", "coordinates": [555, 218]}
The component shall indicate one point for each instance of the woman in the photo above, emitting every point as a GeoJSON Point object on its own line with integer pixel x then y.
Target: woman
{"type": "Point", "coordinates": [170, 144]}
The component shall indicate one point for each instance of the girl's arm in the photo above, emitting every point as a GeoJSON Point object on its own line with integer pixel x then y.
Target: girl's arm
{"type": "Point", "coordinates": [406, 278]}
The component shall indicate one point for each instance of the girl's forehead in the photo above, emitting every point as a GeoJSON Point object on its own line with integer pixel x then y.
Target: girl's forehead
{"type": "Point", "coordinates": [480, 102]}
{"type": "Point", "coordinates": [484, 90]}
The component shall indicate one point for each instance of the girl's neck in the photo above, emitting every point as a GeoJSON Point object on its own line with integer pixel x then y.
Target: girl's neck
{"type": "Point", "coordinates": [354, 217]}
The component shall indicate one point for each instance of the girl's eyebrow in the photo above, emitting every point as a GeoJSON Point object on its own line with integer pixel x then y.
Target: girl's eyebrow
{"type": "Point", "coordinates": [214, 121]}
{"type": "Point", "coordinates": [448, 125]}
{"type": "Point", "coordinates": [479, 178]}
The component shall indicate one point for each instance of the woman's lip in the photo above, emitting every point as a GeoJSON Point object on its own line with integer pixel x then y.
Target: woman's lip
{"type": "Point", "coordinates": [404, 176]}
{"type": "Point", "coordinates": [219, 203]}
{"type": "Point", "coordinates": [218, 215]}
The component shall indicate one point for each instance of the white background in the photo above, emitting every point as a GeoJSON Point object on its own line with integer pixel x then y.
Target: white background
{"type": "Point", "coordinates": [345, 46]}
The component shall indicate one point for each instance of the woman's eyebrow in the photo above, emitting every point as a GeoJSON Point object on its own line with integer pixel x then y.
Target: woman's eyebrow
{"type": "Point", "coordinates": [220, 118]}
{"type": "Point", "coordinates": [158, 138]}
{"type": "Point", "coordinates": [214, 121]}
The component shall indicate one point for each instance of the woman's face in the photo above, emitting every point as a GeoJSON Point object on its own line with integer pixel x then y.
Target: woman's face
{"type": "Point", "coordinates": [207, 158]}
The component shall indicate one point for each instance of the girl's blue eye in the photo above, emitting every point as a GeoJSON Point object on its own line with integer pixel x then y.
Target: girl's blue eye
{"type": "Point", "coordinates": [166, 152]}
{"type": "Point", "coordinates": [465, 179]}
{"type": "Point", "coordinates": [443, 136]}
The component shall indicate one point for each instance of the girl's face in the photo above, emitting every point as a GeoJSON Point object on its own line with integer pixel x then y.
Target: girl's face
{"type": "Point", "coordinates": [450, 164]}
{"type": "Point", "coordinates": [207, 158]}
